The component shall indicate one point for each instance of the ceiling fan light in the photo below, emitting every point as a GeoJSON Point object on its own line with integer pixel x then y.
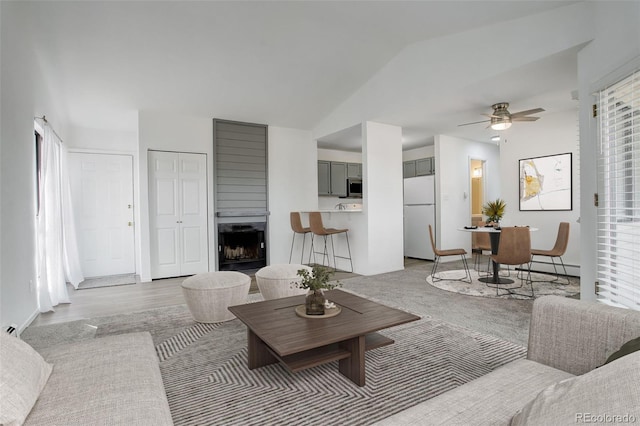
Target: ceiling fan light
{"type": "Point", "coordinates": [500, 123]}
{"type": "Point", "coordinates": [501, 126]}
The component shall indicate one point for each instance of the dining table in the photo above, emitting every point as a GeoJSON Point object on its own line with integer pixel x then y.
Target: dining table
{"type": "Point", "coordinates": [494, 238]}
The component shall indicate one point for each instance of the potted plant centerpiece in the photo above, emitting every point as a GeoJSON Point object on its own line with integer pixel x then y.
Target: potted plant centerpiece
{"type": "Point", "coordinates": [494, 210]}
{"type": "Point", "coordinates": [316, 281]}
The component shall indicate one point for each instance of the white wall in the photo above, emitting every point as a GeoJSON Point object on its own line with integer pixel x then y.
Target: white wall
{"type": "Point", "coordinates": [25, 94]}
{"type": "Point", "coordinates": [293, 186]}
{"type": "Point", "coordinates": [418, 153]}
{"type": "Point", "coordinates": [453, 180]}
{"type": "Point", "coordinates": [168, 131]}
{"type": "Point", "coordinates": [102, 139]}
{"type": "Point", "coordinates": [555, 133]}
{"type": "Point", "coordinates": [337, 155]}
{"type": "Point", "coordinates": [291, 168]}
{"type": "Point", "coordinates": [605, 60]}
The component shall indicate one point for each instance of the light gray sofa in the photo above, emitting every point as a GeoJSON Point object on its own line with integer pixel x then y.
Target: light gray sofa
{"type": "Point", "coordinates": [561, 381]}
{"type": "Point", "coordinates": [113, 380]}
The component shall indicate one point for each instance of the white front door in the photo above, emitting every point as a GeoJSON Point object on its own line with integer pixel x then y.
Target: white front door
{"type": "Point", "coordinates": [102, 196]}
{"type": "Point", "coordinates": [178, 214]}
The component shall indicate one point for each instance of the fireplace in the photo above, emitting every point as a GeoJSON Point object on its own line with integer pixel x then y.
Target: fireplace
{"type": "Point", "coordinates": [241, 246]}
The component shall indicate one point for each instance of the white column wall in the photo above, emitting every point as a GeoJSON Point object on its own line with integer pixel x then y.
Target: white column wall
{"type": "Point", "coordinates": [453, 180]}
{"type": "Point", "coordinates": [293, 186]}
{"type": "Point", "coordinates": [382, 198]}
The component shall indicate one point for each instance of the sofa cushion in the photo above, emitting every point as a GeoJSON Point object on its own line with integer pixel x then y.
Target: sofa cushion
{"type": "Point", "coordinates": [23, 375]}
{"type": "Point", "coordinates": [112, 380]}
{"type": "Point", "coordinates": [611, 390]}
{"type": "Point", "coordinates": [491, 399]}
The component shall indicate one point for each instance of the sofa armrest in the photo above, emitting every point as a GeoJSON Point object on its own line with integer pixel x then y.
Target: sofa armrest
{"type": "Point", "coordinates": [577, 336]}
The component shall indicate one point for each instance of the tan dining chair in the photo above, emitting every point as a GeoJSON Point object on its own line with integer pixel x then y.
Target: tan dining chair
{"type": "Point", "coordinates": [558, 250]}
{"type": "Point", "coordinates": [297, 228]}
{"type": "Point", "coordinates": [318, 229]}
{"type": "Point", "coordinates": [514, 249]}
{"type": "Point", "coordinates": [450, 252]}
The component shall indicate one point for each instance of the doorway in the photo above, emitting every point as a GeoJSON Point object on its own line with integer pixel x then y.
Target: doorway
{"type": "Point", "coordinates": [477, 174]}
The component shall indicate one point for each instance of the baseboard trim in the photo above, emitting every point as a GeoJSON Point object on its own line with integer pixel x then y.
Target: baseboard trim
{"type": "Point", "coordinates": [28, 322]}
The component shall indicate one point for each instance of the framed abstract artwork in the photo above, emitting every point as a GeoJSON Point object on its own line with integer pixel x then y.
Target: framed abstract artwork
{"type": "Point", "coordinates": [545, 183]}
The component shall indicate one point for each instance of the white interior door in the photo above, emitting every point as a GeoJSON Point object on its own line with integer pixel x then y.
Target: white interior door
{"type": "Point", "coordinates": [178, 214]}
{"type": "Point", "coordinates": [193, 214]}
{"type": "Point", "coordinates": [102, 194]}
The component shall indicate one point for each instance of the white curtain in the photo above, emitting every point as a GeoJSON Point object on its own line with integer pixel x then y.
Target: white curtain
{"type": "Point", "coordinates": [57, 248]}
{"type": "Point", "coordinates": [71, 255]}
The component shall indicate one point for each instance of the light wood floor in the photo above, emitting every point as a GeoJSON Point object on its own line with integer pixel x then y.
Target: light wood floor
{"type": "Point", "coordinates": [123, 299]}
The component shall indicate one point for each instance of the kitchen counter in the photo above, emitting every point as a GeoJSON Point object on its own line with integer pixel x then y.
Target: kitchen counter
{"type": "Point", "coordinates": [355, 222]}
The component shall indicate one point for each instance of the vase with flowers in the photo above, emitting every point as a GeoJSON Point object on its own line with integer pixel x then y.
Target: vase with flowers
{"type": "Point", "coordinates": [316, 282]}
{"type": "Point", "coordinates": [494, 210]}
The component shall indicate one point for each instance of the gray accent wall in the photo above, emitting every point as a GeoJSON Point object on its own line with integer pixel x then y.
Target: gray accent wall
{"type": "Point", "coordinates": [240, 151]}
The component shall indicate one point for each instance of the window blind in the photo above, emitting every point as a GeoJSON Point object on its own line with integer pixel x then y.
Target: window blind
{"type": "Point", "coordinates": [618, 234]}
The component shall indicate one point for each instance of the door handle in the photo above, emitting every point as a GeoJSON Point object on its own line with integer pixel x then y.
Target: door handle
{"type": "Point", "coordinates": [129, 223]}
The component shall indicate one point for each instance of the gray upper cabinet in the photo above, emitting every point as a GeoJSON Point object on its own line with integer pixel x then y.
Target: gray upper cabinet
{"type": "Point", "coordinates": [332, 177]}
{"type": "Point", "coordinates": [423, 166]}
{"type": "Point", "coordinates": [420, 167]}
{"type": "Point", "coordinates": [409, 169]}
{"type": "Point", "coordinates": [338, 179]}
{"type": "Point", "coordinates": [354, 170]}
{"type": "Point", "coordinates": [324, 178]}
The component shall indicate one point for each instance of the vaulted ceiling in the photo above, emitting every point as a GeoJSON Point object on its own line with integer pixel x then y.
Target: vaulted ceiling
{"type": "Point", "coordinates": [289, 64]}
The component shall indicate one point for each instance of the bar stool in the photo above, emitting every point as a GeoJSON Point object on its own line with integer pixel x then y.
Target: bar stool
{"type": "Point", "coordinates": [297, 228]}
{"type": "Point", "coordinates": [315, 222]}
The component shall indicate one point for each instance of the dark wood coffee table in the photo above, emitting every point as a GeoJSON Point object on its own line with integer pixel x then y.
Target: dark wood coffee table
{"type": "Point", "coordinates": [277, 334]}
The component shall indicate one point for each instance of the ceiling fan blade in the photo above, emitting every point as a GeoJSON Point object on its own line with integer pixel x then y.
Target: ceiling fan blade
{"type": "Point", "coordinates": [475, 122]}
{"type": "Point", "coordinates": [527, 112]}
{"type": "Point", "coordinates": [524, 118]}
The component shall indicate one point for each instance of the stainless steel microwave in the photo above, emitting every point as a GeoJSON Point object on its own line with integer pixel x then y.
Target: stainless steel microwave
{"type": "Point", "coordinates": [354, 187]}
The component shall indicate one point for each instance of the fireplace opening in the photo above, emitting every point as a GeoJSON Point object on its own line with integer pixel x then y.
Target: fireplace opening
{"type": "Point", "coordinates": [241, 246]}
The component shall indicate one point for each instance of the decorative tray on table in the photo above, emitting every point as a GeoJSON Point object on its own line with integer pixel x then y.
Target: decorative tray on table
{"type": "Point", "coordinates": [301, 311]}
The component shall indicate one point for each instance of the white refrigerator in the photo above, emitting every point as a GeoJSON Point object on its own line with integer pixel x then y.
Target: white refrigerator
{"type": "Point", "coordinates": [419, 213]}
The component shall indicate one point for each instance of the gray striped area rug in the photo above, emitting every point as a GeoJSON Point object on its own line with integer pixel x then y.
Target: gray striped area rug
{"type": "Point", "coordinates": [204, 368]}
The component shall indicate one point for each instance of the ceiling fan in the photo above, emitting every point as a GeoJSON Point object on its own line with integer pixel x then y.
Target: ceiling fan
{"type": "Point", "coordinates": [501, 118]}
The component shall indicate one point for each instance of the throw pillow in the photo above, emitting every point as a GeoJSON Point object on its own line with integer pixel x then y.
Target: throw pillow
{"type": "Point", "coordinates": [631, 346]}
{"type": "Point", "coordinates": [608, 394]}
{"type": "Point", "coordinates": [23, 375]}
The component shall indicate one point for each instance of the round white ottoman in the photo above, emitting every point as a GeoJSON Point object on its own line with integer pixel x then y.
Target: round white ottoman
{"type": "Point", "coordinates": [209, 295]}
{"type": "Point", "coordinates": [275, 281]}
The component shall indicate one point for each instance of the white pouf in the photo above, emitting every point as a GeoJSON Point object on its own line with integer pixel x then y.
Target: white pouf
{"type": "Point", "coordinates": [275, 281]}
{"type": "Point", "coordinates": [209, 295]}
